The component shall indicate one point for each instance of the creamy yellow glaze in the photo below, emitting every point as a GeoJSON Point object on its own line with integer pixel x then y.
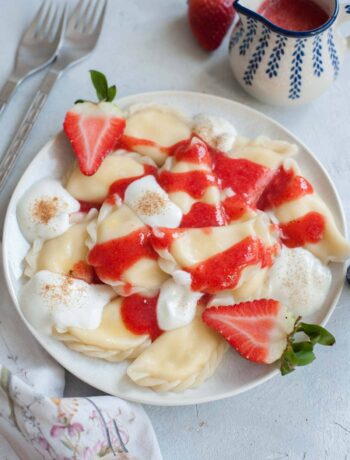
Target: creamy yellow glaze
{"type": "Point", "coordinates": [333, 245]}
{"type": "Point", "coordinates": [196, 245]}
{"type": "Point", "coordinates": [160, 125]}
{"type": "Point", "coordinates": [95, 188]}
{"type": "Point", "coordinates": [60, 254]}
{"type": "Point", "coordinates": [178, 355]}
{"type": "Point", "coordinates": [120, 222]}
{"type": "Point", "coordinates": [111, 333]}
{"type": "Point", "coordinates": [146, 274]}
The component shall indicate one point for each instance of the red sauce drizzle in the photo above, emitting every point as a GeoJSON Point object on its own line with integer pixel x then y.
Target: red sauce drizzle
{"type": "Point", "coordinates": [165, 237]}
{"type": "Point", "coordinates": [85, 206]}
{"type": "Point", "coordinates": [235, 207]}
{"type": "Point", "coordinates": [245, 177]}
{"type": "Point", "coordinates": [223, 271]}
{"type": "Point", "coordinates": [112, 258]}
{"type": "Point", "coordinates": [195, 183]}
{"type": "Point", "coordinates": [82, 271]}
{"type": "Point", "coordinates": [203, 215]}
{"type": "Point", "coordinates": [192, 152]}
{"type": "Point", "coordinates": [139, 314]}
{"type": "Point", "coordinates": [130, 142]}
{"type": "Point", "coordinates": [307, 229]}
{"type": "Point", "coordinates": [297, 15]}
{"type": "Point", "coordinates": [120, 185]}
{"type": "Point", "coordinates": [285, 186]}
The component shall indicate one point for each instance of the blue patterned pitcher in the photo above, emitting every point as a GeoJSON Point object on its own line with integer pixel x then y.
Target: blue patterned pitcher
{"type": "Point", "coordinates": [282, 67]}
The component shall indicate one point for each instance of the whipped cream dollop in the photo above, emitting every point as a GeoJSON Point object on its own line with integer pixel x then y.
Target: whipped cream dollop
{"type": "Point", "coordinates": [152, 204]}
{"type": "Point", "coordinates": [176, 306]}
{"type": "Point", "coordinates": [216, 131]}
{"type": "Point", "coordinates": [50, 299]}
{"type": "Point", "coordinates": [299, 280]}
{"type": "Point", "coordinates": [43, 212]}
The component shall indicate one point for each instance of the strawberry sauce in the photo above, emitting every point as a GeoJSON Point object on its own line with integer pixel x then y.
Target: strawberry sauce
{"type": "Point", "coordinates": [221, 271]}
{"type": "Point", "coordinates": [86, 206]}
{"type": "Point", "coordinates": [244, 177]}
{"type": "Point", "coordinates": [285, 186]}
{"type": "Point", "coordinates": [139, 314]}
{"type": "Point", "coordinates": [129, 143]}
{"type": "Point", "coordinates": [112, 258]}
{"type": "Point", "coordinates": [235, 207]}
{"type": "Point", "coordinates": [82, 271]}
{"type": "Point", "coordinates": [295, 15]}
{"type": "Point", "coordinates": [195, 183]}
{"type": "Point", "coordinates": [307, 229]}
{"type": "Point", "coordinates": [203, 215]}
{"type": "Point", "coordinates": [120, 185]}
{"type": "Point", "coordinates": [192, 152]}
{"type": "Point", "coordinates": [224, 270]}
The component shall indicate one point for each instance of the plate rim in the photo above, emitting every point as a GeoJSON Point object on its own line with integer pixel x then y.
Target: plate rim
{"type": "Point", "coordinates": [127, 100]}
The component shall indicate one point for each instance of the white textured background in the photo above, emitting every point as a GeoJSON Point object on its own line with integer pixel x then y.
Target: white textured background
{"type": "Point", "coordinates": [145, 46]}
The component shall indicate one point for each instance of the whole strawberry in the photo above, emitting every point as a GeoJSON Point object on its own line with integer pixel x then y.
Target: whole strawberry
{"type": "Point", "coordinates": [210, 20]}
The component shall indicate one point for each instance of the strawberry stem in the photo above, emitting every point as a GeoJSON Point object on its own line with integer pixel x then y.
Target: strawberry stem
{"type": "Point", "coordinates": [302, 353]}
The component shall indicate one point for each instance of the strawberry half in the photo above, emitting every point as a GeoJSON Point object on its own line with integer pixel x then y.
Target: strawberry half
{"type": "Point", "coordinates": [210, 20]}
{"type": "Point", "coordinates": [94, 129]}
{"type": "Point", "coordinates": [263, 331]}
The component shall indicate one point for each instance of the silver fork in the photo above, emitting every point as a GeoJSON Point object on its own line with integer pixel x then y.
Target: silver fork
{"type": "Point", "coordinates": [82, 32]}
{"type": "Point", "coordinates": [37, 48]}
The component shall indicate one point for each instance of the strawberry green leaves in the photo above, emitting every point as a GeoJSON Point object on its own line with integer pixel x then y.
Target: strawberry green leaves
{"type": "Point", "coordinates": [104, 92]}
{"type": "Point", "coordinates": [302, 353]}
{"type": "Point", "coordinates": [317, 334]}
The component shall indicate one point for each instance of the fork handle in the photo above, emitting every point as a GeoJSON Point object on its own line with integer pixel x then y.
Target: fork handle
{"type": "Point", "coordinates": [6, 92]}
{"type": "Point", "coordinates": [12, 153]}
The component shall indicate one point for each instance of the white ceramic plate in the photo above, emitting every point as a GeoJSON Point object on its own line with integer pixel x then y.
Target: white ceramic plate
{"type": "Point", "coordinates": [235, 374]}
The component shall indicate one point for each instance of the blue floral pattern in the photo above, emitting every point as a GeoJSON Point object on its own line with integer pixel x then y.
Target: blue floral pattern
{"type": "Point", "coordinates": [235, 38]}
{"type": "Point", "coordinates": [347, 8]}
{"type": "Point", "coordinates": [257, 56]}
{"type": "Point", "coordinates": [297, 62]}
{"type": "Point", "coordinates": [317, 61]}
{"type": "Point", "coordinates": [276, 55]}
{"type": "Point", "coordinates": [248, 40]}
{"type": "Point", "coordinates": [333, 53]}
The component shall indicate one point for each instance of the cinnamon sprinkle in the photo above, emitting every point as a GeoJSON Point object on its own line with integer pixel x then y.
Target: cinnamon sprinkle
{"type": "Point", "coordinates": [151, 204]}
{"type": "Point", "coordinates": [60, 293]}
{"type": "Point", "coordinates": [45, 210]}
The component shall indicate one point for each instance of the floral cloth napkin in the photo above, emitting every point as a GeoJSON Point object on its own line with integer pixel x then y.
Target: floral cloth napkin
{"type": "Point", "coordinates": [37, 423]}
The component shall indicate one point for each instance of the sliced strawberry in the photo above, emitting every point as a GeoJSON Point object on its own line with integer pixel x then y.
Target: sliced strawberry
{"type": "Point", "coordinates": [94, 129]}
{"type": "Point", "coordinates": [263, 331]}
{"type": "Point", "coordinates": [210, 20]}
{"type": "Point", "coordinates": [139, 314]}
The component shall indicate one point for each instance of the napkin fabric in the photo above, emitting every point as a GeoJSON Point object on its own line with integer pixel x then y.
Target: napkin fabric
{"type": "Point", "coordinates": [37, 423]}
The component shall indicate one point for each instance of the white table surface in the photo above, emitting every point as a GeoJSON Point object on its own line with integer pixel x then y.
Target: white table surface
{"type": "Point", "coordinates": [145, 46]}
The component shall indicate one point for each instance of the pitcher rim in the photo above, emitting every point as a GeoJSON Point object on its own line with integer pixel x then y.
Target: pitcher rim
{"type": "Point", "coordinates": [280, 30]}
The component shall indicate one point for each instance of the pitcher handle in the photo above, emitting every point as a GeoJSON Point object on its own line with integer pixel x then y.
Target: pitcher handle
{"type": "Point", "coordinates": [345, 17]}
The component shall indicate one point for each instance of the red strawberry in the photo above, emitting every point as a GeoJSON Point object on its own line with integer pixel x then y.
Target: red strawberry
{"type": "Point", "coordinates": [94, 129]}
{"type": "Point", "coordinates": [263, 331]}
{"type": "Point", "coordinates": [210, 20]}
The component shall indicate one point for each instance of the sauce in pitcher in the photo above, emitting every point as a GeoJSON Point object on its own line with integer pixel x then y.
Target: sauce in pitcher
{"type": "Point", "coordinates": [295, 15]}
